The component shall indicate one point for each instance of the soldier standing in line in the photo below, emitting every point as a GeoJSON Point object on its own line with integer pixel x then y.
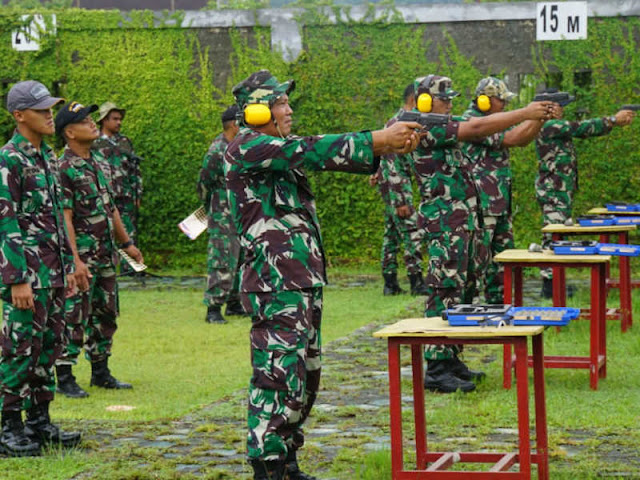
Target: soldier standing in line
{"type": "Point", "coordinates": [223, 248]}
{"type": "Point", "coordinates": [121, 167]}
{"type": "Point", "coordinates": [449, 216]}
{"type": "Point", "coordinates": [35, 260]}
{"type": "Point", "coordinates": [283, 269]}
{"type": "Point", "coordinates": [557, 179]}
{"type": "Point", "coordinates": [399, 216]}
{"type": "Point", "coordinates": [94, 227]}
{"type": "Point", "coordinates": [492, 173]}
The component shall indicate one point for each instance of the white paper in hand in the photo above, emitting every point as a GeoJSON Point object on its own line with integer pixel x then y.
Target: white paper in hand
{"type": "Point", "coordinates": [137, 267]}
{"type": "Point", "coordinates": [194, 224]}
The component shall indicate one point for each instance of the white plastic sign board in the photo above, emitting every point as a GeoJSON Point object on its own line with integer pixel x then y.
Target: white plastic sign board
{"type": "Point", "coordinates": [27, 38]}
{"type": "Point", "coordinates": [561, 21]}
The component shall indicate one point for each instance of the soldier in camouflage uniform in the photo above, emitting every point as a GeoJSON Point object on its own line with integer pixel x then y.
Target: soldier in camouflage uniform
{"type": "Point", "coordinates": [35, 260]}
{"type": "Point", "coordinates": [448, 215]}
{"type": "Point", "coordinates": [223, 248]}
{"type": "Point", "coordinates": [122, 168]}
{"type": "Point", "coordinates": [283, 269]}
{"type": "Point", "coordinates": [94, 227]}
{"type": "Point", "coordinates": [557, 179]}
{"type": "Point", "coordinates": [492, 173]}
{"type": "Point", "coordinates": [399, 217]}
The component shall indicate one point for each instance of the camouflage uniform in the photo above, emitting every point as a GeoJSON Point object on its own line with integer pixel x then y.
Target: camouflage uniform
{"type": "Point", "coordinates": [396, 191]}
{"type": "Point", "coordinates": [557, 178]}
{"type": "Point", "coordinates": [283, 269]}
{"type": "Point", "coordinates": [91, 315]}
{"type": "Point", "coordinates": [223, 248]}
{"type": "Point", "coordinates": [493, 177]}
{"type": "Point", "coordinates": [121, 167]}
{"type": "Point", "coordinates": [34, 249]}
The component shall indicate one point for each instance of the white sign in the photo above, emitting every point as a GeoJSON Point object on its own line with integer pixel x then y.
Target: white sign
{"type": "Point", "coordinates": [194, 224]}
{"type": "Point", "coordinates": [27, 38]}
{"type": "Point", "coordinates": [561, 21]}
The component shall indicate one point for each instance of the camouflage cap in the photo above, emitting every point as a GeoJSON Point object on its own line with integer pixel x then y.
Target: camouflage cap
{"type": "Point", "coordinates": [106, 108]}
{"type": "Point", "coordinates": [434, 85]}
{"type": "Point", "coordinates": [261, 87]}
{"type": "Point", "coordinates": [494, 87]}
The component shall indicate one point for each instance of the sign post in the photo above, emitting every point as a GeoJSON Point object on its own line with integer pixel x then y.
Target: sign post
{"type": "Point", "coordinates": [27, 38]}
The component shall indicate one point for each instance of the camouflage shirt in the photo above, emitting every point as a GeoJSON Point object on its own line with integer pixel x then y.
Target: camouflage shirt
{"type": "Point", "coordinates": [557, 162]}
{"type": "Point", "coordinates": [491, 170]}
{"type": "Point", "coordinates": [121, 166]}
{"type": "Point", "coordinates": [448, 197]}
{"type": "Point", "coordinates": [212, 188]}
{"type": "Point", "coordinates": [274, 209]}
{"type": "Point", "coordinates": [86, 192]}
{"type": "Point", "coordinates": [393, 182]}
{"type": "Point", "coordinates": [34, 246]}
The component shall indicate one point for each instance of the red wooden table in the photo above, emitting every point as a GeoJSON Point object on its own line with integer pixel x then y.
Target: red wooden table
{"type": "Point", "coordinates": [515, 260]}
{"type": "Point", "coordinates": [417, 332]}
{"type": "Point", "coordinates": [561, 232]}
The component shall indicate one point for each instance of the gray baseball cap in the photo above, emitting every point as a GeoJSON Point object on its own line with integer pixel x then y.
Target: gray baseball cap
{"type": "Point", "coordinates": [30, 95]}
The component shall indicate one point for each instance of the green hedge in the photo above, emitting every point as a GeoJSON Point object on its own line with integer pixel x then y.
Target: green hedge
{"type": "Point", "coordinates": [349, 77]}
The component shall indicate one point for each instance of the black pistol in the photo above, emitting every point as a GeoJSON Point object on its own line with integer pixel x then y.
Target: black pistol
{"type": "Point", "coordinates": [631, 106]}
{"type": "Point", "coordinates": [427, 120]}
{"type": "Point", "coordinates": [562, 98]}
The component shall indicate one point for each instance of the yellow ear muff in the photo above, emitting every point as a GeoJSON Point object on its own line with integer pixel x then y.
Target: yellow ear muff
{"type": "Point", "coordinates": [424, 103]}
{"type": "Point", "coordinates": [483, 103]}
{"type": "Point", "coordinates": [257, 114]}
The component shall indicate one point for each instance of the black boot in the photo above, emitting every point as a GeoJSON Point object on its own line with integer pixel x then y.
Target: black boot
{"type": "Point", "coordinates": [547, 288]}
{"type": "Point", "coordinates": [460, 370]}
{"type": "Point", "coordinates": [267, 470]}
{"type": "Point", "coordinates": [418, 287]}
{"type": "Point", "coordinates": [38, 427]}
{"type": "Point", "coordinates": [214, 315]}
{"type": "Point", "coordinates": [67, 383]}
{"type": "Point", "coordinates": [292, 469]}
{"type": "Point", "coordinates": [234, 307]}
{"type": "Point", "coordinates": [101, 376]}
{"type": "Point", "coordinates": [440, 378]}
{"type": "Point", "coordinates": [391, 286]}
{"type": "Point", "coordinates": [13, 440]}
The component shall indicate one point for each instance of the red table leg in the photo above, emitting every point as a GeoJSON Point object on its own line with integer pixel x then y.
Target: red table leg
{"type": "Point", "coordinates": [542, 446]}
{"type": "Point", "coordinates": [522, 387]}
{"type": "Point", "coordinates": [506, 348]}
{"type": "Point", "coordinates": [418, 406]}
{"type": "Point", "coordinates": [395, 408]}
{"type": "Point", "coordinates": [625, 286]}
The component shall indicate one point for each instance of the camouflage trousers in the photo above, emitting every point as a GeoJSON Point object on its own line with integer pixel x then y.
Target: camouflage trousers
{"type": "Point", "coordinates": [285, 355]}
{"type": "Point", "coordinates": [401, 231]}
{"type": "Point", "coordinates": [31, 342]}
{"type": "Point", "coordinates": [128, 214]}
{"type": "Point", "coordinates": [223, 251]}
{"type": "Point", "coordinates": [91, 319]}
{"type": "Point", "coordinates": [555, 209]}
{"type": "Point", "coordinates": [450, 279]}
{"type": "Point", "coordinates": [497, 236]}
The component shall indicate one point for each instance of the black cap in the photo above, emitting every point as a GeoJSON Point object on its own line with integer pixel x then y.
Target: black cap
{"type": "Point", "coordinates": [230, 113]}
{"type": "Point", "coordinates": [72, 112]}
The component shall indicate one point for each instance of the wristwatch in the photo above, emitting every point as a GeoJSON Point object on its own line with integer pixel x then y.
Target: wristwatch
{"type": "Point", "coordinates": [612, 119]}
{"type": "Point", "coordinates": [126, 244]}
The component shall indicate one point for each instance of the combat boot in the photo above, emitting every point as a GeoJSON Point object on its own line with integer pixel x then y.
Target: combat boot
{"type": "Point", "coordinates": [38, 427]}
{"type": "Point", "coordinates": [292, 469]}
{"type": "Point", "coordinates": [101, 376]}
{"type": "Point", "coordinates": [418, 287]}
{"type": "Point", "coordinates": [234, 307]}
{"type": "Point", "coordinates": [214, 315]}
{"type": "Point", "coordinates": [391, 286]}
{"type": "Point", "coordinates": [267, 470]}
{"type": "Point", "coordinates": [547, 288]}
{"type": "Point", "coordinates": [439, 378]}
{"type": "Point", "coordinates": [67, 384]}
{"type": "Point", "coordinates": [460, 370]}
{"type": "Point", "coordinates": [13, 440]}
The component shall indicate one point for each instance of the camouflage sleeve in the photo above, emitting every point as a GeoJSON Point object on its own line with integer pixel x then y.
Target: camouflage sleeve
{"type": "Point", "coordinates": [398, 180]}
{"type": "Point", "coordinates": [594, 127]}
{"type": "Point", "coordinates": [441, 136]}
{"type": "Point", "coordinates": [556, 129]}
{"type": "Point", "coordinates": [13, 263]}
{"type": "Point", "coordinates": [205, 182]}
{"type": "Point", "coordinates": [67, 187]}
{"type": "Point", "coordinates": [349, 152]}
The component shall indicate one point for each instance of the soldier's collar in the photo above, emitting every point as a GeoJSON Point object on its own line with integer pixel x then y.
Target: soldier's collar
{"type": "Point", "coordinates": [25, 147]}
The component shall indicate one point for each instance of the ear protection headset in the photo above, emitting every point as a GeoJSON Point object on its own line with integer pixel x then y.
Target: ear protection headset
{"type": "Point", "coordinates": [483, 102]}
{"type": "Point", "coordinates": [257, 114]}
{"type": "Point", "coordinates": [424, 102]}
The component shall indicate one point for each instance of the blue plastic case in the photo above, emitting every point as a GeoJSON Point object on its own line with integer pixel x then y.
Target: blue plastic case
{"type": "Point", "coordinates": [619, 249]}
{"type": "Point", "coordinates": [473, 314]}
{"type": "Point", "coordinates": [557, 316]}
{"type": "Point", "coordinates": [627, 220]}
{"type": "Point", "coordinates": [596, 220]}
{"type": "Point", "coordinates": [494, 315]}
{"type": "Point", "coordinates": [575, 247]}
{"type": "Point", "coordinates": [622, 207]}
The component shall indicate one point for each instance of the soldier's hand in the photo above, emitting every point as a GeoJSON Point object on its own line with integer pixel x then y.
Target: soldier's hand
{"type": "Point", "coordinates": [134, 253]}
{"type": "Point", "coordinates": [373, 179]}
{"type": "Point", "coordinates": [540, 110]}
{"type": "Point", "coordinates": [403, 211]}
{"type": "Point", "coordinates": [624, 117]}
{"type": "Point", "coordinates": [402, 137]}
{"type": "Point", "coordinates": [71, 287]}
{"type": "Point", "coordinates": [82, 276]}
{"type": "Point", "coordinates": [22, 296]}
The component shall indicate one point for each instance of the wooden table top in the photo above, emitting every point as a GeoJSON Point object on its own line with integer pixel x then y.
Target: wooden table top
{"type": "Point", "coordinates": [560, 228]}
{"type": "Point", "coordinates": [437, 327]}
{"type": "Point", "coordinates": [525, 256]}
